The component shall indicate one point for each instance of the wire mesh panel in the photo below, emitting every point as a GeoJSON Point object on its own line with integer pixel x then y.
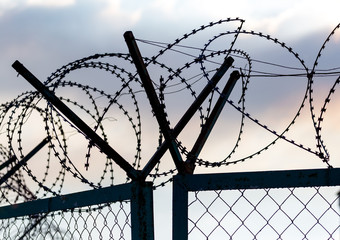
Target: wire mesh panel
{"type": "Point", "coordinates": [294, 204]}
{"type": "Point", "coordinates": [288, 213]}
{"type": "Point", "coordinates": [106, 221]}
{"type": "Point", "coordinates": [116, 212]}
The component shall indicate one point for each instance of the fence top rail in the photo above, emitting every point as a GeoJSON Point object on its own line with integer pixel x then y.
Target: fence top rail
{"type": "Point", "coordinates": [257, 180]}
{"type": "Point", "coordinates": [70, 201]}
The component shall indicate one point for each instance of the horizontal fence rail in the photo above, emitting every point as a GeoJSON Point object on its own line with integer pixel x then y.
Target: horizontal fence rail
{"type": "Point", "coordinates": [70, 201]}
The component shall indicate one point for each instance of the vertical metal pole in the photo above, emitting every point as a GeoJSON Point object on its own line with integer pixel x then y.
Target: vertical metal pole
{"type": "Point", "coordinates": [157, 108]}
{"type": "Point", "coordinates": [142, 221]}
{"type": "Point", "coordinates": [179, 209]}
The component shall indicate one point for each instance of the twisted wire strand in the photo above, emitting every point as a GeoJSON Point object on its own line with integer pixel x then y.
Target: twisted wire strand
{"type": "Point", "coordinates": [317, 123]}
{"type": "Point", "coordinates": [174, 80]}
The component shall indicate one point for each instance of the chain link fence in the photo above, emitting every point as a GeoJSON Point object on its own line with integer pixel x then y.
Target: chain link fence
{"type": "Point", "coordinates": [105, 221]}
{"type": "Point", "coordinates": [121, 212]}
{"type": "Point", "coordinates": [286, 213]}
{"type": "Point", "coordinates": [296, 204]}
{"type": "Point", "coordinates": [300, 204]}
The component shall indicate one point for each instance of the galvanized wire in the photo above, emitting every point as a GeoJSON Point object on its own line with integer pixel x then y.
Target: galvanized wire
{"type": "Point", "coordinates": [123, 94]}
{"type": "Point", "coordinates": [107, 221]}
{"type": "Point", "coordinates": [287, 213]}
{"type": "Point", "coordinates": [240, 214]}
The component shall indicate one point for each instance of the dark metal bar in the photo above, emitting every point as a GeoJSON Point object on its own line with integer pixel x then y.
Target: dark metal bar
{"type": "Point", "coordinates": [23, 161]}
{"type": "Point", "coordinates": [8, 162]}
{"type": "Point", "coordinates": [92, 135]}
{"type": "Point", "coordinates": [180, 203]}
{"type": "Point", "coordinates": [154, 101]}
{"type": "Point", "coordinates": [142, 220]}
{"type": "Point", "coordinates": [188, 114]}
{"type": "Point", "coordinates": [257, 180]}
{"type": "Point", "coordinates": [210, 122]}
{"type": "Point", "coordinates": [75, 200]}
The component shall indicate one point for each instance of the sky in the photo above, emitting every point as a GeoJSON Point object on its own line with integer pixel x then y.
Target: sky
{"type": "Point", "coordinates": [47, 34]}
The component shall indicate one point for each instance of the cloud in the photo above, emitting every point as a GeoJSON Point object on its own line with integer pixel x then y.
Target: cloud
{"type": "Point", "coordinates": [50, 3]}
{"type": "Point", "coordinates": [296, 18]}
{"type": "Point", "coordinates": [118, 15]}
{"type": "Point", "coordinates": [288, 18]}
{"type": "Point", "coordinates": [6, 5]}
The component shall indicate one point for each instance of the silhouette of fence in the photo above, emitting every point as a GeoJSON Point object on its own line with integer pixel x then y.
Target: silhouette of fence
{"type": "Point", "coordinates": [117, 212]}
{"type": "Point", "coordinates": [119, 202]}
{"type": "Point", "coordinates": [257, 205]}
{"type": "Point", "coordinates": [108, 221]}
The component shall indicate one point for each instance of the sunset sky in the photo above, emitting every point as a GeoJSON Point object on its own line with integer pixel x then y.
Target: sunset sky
{"type": "Point", "coordinates": [46, 34]}
{"type": "Point", "coordinates": [49, 33]}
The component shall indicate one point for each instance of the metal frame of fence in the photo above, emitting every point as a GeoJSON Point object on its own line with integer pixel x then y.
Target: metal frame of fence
{"type": "Point", "coordinates": [183, 184]}
{"type": "Point", "coordinates": [139, 194]}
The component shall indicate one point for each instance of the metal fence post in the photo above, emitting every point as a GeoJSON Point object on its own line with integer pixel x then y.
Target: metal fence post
{"type": "Point", "coordinates": [142, 221]}
{"type": "Point", "coordinates": [179, 210]}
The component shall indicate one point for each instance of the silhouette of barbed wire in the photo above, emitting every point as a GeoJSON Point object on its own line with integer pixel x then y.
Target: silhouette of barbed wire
{"type": "Point", "coordinates": [95, 102]}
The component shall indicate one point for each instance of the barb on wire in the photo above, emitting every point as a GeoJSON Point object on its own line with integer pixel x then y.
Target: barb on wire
{"type": "Point", "coordinates": [106, 86]}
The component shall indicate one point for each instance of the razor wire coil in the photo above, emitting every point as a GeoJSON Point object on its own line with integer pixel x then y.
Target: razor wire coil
{"type": "Point", "coordinates": [14, 115]}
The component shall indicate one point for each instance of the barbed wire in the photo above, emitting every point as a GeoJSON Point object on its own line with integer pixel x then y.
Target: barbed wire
{"type": "Point", "coordinates": [120, 93]}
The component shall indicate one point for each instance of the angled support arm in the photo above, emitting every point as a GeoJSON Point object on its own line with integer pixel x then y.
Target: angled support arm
{"type": "Point", "coordinates": [210, 123]}
{"type": "Point", "coordinates": [22, 162]}
{"type": "Point", "coordinates": [80, 124]}
{"type": "Point", "coordinates": [154, 101]}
